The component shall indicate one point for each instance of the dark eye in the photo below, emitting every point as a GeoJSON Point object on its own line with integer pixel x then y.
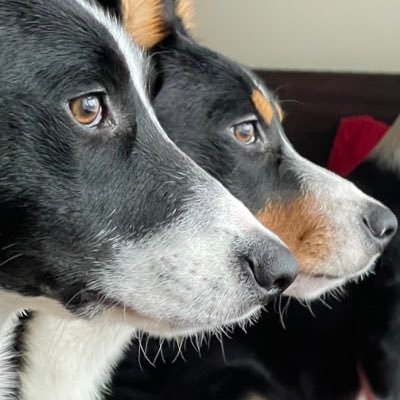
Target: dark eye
{"type": "Point", "coordinates": [87, 110]}
{"type": "Point", "coordinates": [245, 132]}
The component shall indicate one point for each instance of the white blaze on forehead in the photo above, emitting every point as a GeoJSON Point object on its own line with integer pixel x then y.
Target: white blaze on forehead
{"type": "Point", "coordinates": [136, 60]}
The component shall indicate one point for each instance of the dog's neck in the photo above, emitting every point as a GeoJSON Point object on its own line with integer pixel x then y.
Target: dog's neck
{"type": "Point", "coordinates": [71, 358]}
{"type": "Point", "coordinates": [387, 152]}
{"type": "Point", "coordinates": [63, 357]}
{"type": "Point", "coordinates": [8, 372]}
{"type": "Point", "coordinates": [12, 306]}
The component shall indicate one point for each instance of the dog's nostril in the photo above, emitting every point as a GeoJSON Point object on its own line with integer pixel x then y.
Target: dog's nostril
{"type": "Point", "coordinates": [389, 232]}
{"type": "Point", "coordinates": [381, 224]}
{"type": "Point", "coordinates": [251, 264]}
{"type": "Point", "coordinates": [273, 266]}
{"type": "Point", "coordinates": [282, 283]}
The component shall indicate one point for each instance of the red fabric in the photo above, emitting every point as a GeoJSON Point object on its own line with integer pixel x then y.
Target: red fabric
{"type": "Point", "coordinates": [356, 137]}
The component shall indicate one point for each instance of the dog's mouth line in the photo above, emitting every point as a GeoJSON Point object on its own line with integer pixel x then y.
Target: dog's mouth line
{"type": "Point", "coordinates": [345, 277]}
{"type": "Point", "coordinates": [129, 314]}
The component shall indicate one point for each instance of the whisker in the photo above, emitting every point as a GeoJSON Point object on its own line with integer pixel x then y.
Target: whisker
{"type": "Point", "coordinates": [12, 258]}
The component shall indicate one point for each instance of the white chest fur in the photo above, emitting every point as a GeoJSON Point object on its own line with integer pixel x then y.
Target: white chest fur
{"type": "Point", "coordinates": [8, 374]}
{"type": "Point", "coordinates": [70, 359]}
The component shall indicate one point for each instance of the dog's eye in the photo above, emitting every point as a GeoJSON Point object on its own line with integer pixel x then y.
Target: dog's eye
{"type": "Point", "coordinates": [87, 110]}
{"type": "Point", "coordinates": [245, 132]}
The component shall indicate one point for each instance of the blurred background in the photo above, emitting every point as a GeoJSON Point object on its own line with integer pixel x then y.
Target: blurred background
{"type": "Point", "coordinates": [340, 35]}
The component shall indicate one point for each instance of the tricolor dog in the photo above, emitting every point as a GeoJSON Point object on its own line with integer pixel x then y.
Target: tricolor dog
{"type": "Point", "coordinates": [105, 225]}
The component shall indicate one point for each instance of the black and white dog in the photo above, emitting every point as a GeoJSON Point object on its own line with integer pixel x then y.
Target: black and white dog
{"type": "Point", "coordinates": [105, 224]}
{"type": "Point", "coordinates": [107, 227]}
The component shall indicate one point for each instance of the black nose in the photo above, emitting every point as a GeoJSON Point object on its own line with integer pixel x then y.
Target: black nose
{"type": "Point", "coordinates": [381, 224]}
{"type": "Point", "coordinates": [273, 266]}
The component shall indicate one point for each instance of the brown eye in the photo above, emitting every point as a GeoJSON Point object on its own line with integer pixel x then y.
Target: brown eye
{"type": "Point", "coordinates": [87, 110]}
{"type": "Point", "coordinates": [245, 132]}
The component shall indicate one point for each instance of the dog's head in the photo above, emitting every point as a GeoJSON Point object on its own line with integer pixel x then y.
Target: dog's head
{"type": "Point", "coordinates": [223, 117]}
{"type": "Point", "coordinates": [98, 207]}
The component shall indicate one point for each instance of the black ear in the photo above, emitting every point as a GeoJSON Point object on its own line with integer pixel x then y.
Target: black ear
{"type": "Point", "coordinates": [150, 21]}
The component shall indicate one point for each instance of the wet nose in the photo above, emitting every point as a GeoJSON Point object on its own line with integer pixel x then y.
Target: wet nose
{"type": "Point", "coordinates": [272, 265]}
{"type": "Point", "coordinates": [381, 224]}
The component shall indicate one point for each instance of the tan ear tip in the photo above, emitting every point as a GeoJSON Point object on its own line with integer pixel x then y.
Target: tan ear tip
{"type": "Point", "coordinates": [185, 11]}
{"type": "Point", "coordinates": [144, 21]}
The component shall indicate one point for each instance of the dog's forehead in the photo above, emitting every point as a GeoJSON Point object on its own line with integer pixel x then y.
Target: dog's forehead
{"type": "Point", "coordinates": [65, 39]}
{"type": "Point", "coordinates": [239, 88]}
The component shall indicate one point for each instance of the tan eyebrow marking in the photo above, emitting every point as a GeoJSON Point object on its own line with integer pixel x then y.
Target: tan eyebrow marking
{"type": "Point", "coordinates": [263, 106]}
{"type": "Point", "coordinates": [143, 20]}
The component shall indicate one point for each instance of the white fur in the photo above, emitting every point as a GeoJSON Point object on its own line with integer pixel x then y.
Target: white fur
{"type": "Point", "coordinates": [8, 375]}
{"type": "Point", "coordinates": [12, 305]}
{"type": "Point", "coordinates": [199, 284]}
{"type": "Point", "coordinates": [71, 359]}
{"type": "Point", "coordinates": [65, 358]}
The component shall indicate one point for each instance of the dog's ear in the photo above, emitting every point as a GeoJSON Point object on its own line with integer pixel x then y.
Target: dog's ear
{"type": "Point", "coordinates": [150, 21]}
{"type": "Point", "coordinates": [144, 21]}
{"type": "Point", "coordinates": [184, 12]}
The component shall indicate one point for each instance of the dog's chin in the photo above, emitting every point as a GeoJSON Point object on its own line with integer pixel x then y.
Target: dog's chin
{"type": "Point", "coordinates": [178, 327]}
{"type": "Point", "coordinates": [311, 286]}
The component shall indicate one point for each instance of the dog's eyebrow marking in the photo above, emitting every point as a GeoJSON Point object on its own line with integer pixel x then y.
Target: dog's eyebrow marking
{"type": "Point", "coordinates": [144, 21]}
{"type": "Point", "coordinates": [184, 10]}
{"type": "Point", "coordinates": [263, 106]}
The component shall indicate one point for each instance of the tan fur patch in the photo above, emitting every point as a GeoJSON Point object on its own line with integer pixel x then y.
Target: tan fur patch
{"type": "Point", "coordinates": [303, 228]}
{"type": "Point", "coordinates": [263, 106]}
{"type": "Point", "coordinates": [184, 10]}
{"type": "Point", "coordinates": [144, 21]}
